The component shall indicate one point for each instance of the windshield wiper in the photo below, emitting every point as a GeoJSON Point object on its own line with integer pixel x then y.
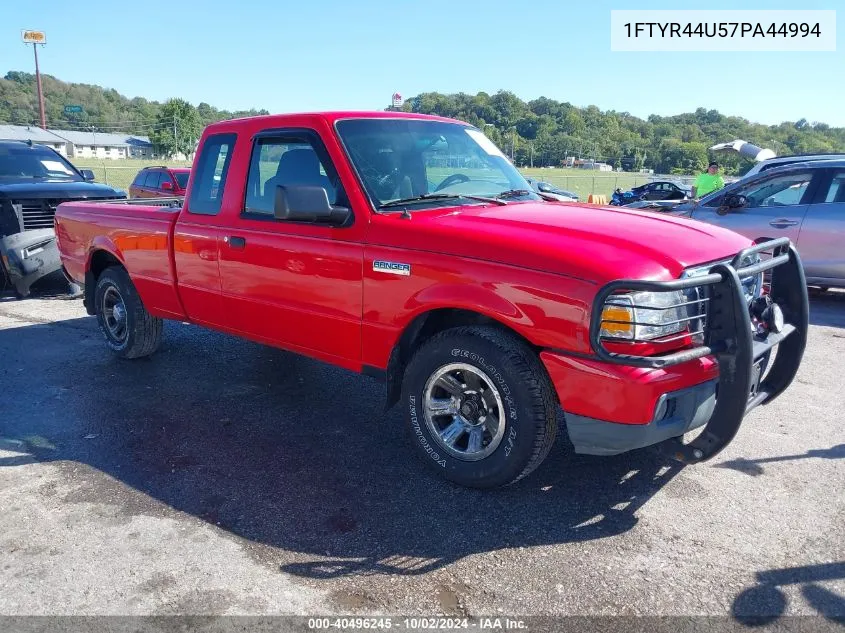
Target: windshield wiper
{"type": "Point", "coordinates": [513, 193]}
{"type": "Point", "coordinates": [438, 196]}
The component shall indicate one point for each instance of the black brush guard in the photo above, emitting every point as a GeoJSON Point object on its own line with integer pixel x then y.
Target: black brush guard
{"type": "Point", "coordinates": [729, 337]}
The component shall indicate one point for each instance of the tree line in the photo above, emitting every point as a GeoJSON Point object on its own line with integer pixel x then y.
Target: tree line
{"type": "Point", "coordinates": [173, 126]}
{"type": "Point", "coordinates": [545, 132]}
{"type": "Point", "coordinates": [540, 132]}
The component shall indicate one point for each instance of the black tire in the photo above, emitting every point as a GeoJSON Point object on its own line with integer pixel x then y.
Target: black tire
{"type": "Point", "coordinates": [518, 379]}
{"type": "Point", "coordinates": [141, 334]}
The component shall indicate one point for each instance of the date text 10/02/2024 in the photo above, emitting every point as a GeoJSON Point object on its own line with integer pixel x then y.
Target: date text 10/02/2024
{"type": "Point", "coordinates": [419, 623]}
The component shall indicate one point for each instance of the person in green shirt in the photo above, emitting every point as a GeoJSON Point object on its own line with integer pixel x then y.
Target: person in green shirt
{"type": "Point", "coordinates": [707, 182]}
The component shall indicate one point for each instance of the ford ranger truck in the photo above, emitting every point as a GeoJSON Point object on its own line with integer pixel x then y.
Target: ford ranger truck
{"type": "Point", "coordinates": [408, 248]}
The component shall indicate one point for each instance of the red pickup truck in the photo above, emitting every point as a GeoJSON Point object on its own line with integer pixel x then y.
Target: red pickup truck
{"type": "Point", "coordinates": [407, 247]}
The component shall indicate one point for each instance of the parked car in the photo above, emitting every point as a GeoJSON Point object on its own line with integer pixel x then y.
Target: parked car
{"type": "Point", "coordinates": [551, 192]}
{"type": "Point", "coordinates": [34, 179]}
{"type": "Point", "coordinates": [660, 190]}
{"type": "Point", "coordinates": [483, 307]}
{"type": "Point", "coordinates": [160, 182]}
{"type": "Point", "coordinates": [802, 201]}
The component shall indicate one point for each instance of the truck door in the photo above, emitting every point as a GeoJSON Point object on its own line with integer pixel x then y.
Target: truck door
{"type": "Point", "coordinates": [295, 285]}
{"type": "Point", "coordinates": [197, 236]}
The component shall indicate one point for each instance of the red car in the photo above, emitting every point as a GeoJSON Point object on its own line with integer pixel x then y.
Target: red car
{"type": "Point", "coordinates": [408, 248]}
{"type": "Point", "coordinates": [160, 182]}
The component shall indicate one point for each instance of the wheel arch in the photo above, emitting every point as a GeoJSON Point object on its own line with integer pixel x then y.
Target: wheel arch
{"type": "Point", "coordinates": [426, 324]}
{"type": "Point", "coordinates": [102, 255]}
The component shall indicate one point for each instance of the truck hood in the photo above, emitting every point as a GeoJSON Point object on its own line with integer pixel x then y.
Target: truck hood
{"type": "Point", "coordinates": [57, 189]}
{"type": "Point", "coordinates": [596, 244]}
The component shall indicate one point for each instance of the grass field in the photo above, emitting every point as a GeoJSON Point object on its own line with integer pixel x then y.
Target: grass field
{"type": "Point", "coordinates": [584, 182]}
{"type": "Point", "coordinates": [120, 174]}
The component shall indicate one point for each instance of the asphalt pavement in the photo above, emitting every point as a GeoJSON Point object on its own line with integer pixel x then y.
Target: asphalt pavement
{"type": "Point", "coordinates": [223, 477]}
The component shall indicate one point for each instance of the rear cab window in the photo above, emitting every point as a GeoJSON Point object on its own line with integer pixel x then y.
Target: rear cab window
{"type": "Point", "coordinates": [212, 169]}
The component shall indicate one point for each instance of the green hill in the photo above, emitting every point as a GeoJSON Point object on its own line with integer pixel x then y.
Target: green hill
{"type": "Point", "coordinates": [541, 132]}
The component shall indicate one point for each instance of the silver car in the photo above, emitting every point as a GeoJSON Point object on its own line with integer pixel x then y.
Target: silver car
{"type": "Point", "coordinates": [803, 201]}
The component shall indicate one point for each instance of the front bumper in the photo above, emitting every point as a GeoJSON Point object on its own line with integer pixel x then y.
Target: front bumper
{"type": "Point", "coordinates": [613, 401]}
{"type": "Point", "coordinates": [29, 256]}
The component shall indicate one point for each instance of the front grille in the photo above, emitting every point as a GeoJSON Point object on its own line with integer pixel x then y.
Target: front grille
{"type": "Point", "coordinates": [36, 214]}
{"type": "Point", "coordinates": [702, 310]}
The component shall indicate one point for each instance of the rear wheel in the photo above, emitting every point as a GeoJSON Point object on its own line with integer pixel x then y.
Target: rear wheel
{"type": "Point", "coordinates": [130, 331]}
{"type": "Point", "coordinates": [480, 407]}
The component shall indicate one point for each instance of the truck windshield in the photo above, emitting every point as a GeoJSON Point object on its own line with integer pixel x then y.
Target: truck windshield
{"type": "Point", "coordinates": [34, 163]}
{"type": "Point", "coordinates": [410, 159]}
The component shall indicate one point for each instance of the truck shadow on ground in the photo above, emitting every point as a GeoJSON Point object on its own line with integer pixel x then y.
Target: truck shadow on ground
{"type": "Point", "coordinates": [766, 602]}
{"type": "Point", "coordinates": [291, 455]}
{"type": "Point", "coordinates": [754, 467]}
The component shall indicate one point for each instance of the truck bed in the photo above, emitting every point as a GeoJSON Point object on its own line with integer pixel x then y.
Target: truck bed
{"type": "Point", "coordinates": [139, 233]}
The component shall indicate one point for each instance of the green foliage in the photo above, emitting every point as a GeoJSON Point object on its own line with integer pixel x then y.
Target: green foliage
{"type": "Point", "coordinates": [543, 132]}
{"type": "Point", "coordinates": [105, 110]}
{"type": "Point", "coordinates": [179, 128]}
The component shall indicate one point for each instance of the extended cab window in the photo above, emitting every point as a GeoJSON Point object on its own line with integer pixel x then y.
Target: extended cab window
{"type": "Point", "coordinates": [212, 167]}
{"type": "Point", "coordinates": [288, 161]}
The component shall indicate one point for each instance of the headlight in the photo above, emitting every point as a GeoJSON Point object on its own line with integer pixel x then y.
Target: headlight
{"type": "Point", "coordinates": [752, 286]}
{"type": "Point", "coordinates": [644, 315]}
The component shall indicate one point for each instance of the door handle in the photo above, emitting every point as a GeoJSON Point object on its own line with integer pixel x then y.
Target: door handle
{"type": "Point", "coordinates": [238, 243]}
{"type": "Point", "coordinates": [782, 223]}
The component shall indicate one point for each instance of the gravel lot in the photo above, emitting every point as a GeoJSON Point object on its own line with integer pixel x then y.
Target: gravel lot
{"type": "Point", "coordinates": [222, 477]}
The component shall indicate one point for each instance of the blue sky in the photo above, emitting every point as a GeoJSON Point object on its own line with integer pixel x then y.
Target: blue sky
{"type": "Point", "coordinates": [288, 56]}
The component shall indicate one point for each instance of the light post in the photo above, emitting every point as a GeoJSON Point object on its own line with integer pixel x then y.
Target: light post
{"type": "Point", "coordinates": [35, 38]}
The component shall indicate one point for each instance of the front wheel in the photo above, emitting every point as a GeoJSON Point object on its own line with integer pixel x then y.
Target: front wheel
{"type": "Point", "coordinates": [480, 407]}
{"type": "Point", "coordinates": [130, 331]}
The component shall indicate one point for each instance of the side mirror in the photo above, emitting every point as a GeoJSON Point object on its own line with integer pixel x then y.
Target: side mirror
{"type": "Point", "coordinates": [301, 203]}
{"type": "Point", "coordinates": [736, 201]}
{"type": "Point", "coordinates": [167, 186]}
{"type": "Point", "coordinates": [87, 174]}
{"type": "Point", "coordinates": [731, 202]}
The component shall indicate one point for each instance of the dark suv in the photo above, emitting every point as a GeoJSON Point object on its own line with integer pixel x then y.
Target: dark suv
{"type": "Point", "coordinates": [160, 182]}
{"type": "Point", "coordinates": [34, 180]}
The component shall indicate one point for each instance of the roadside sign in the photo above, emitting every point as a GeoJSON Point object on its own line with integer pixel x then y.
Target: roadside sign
{"type": "Point", "coordinates": [397, 100]}
{"type": "Point", "coordinates": [34, 37]}
{"type": "Point", "coordinates": [72, 109]}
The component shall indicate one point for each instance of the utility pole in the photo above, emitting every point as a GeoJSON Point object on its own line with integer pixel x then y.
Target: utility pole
{"type": "Point", "coordinates": [175, 137]}
{"type": "Point", "coordinates": [513, 142]}
{"type": "Point", "coordinates": [35, 38]}
{"type": "Point", "coordinates": [40, 92]}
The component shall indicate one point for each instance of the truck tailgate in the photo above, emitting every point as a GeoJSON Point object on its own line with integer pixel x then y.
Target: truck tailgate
{"type": "Point", "coordinates": [139, 235]}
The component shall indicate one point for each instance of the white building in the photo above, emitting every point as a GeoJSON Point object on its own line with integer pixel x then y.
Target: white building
{"type": "Point", "coordinates": [34, 134]}
{"type": "Point", "coordinates": [75, 144]}
{"type": "Point", "coordinates": [105, 145]}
